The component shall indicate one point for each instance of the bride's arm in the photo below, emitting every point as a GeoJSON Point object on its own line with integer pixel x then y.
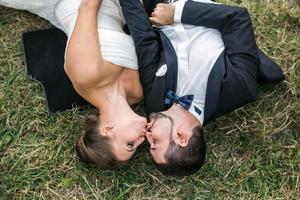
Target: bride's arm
{"type": "Point", "coordinates": [84, 64]}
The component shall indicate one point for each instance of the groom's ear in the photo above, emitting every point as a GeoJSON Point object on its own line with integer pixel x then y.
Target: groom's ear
{"type": "Point", "coordinates": [182, 138]}
{"type": "Point", "coordinates": [105, 129]}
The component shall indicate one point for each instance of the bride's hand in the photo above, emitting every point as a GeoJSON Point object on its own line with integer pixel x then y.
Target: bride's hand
{"type": "Point", "coordinates": [90, 4]}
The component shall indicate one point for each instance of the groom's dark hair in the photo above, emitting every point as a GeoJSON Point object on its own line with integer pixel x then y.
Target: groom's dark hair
{"type": "Point", "coordinates": [184, 161]}
{"type": "Point", "coordinates": [92, 147]}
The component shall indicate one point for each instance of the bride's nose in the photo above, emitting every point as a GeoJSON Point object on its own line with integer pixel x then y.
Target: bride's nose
{"type": "Point", "coordinates": [144, 132]}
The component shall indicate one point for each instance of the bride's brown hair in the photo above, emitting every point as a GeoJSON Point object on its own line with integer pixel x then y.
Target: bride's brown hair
{"type": "Point", "coordinates": [92, 147]}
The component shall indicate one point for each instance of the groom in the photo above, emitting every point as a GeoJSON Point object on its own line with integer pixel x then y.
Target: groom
{"type": "Point", "coordinates": [199, 63]}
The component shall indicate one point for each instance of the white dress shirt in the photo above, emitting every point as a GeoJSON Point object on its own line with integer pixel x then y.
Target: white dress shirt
{"type": "Point", "coordinates": [197, 49]}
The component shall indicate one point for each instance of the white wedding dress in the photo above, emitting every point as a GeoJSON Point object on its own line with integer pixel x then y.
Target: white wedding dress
{"type": "Point", "coordinates": [116, 46]}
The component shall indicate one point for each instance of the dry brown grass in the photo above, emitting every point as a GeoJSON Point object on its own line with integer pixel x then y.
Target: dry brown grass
{"type": "Point", "coordinates": [253, 153]}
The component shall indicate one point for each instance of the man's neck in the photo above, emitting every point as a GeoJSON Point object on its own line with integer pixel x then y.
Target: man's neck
{"type": "Point", "coordinates": [179, 114]}
{"type": "Point", "coordinates": [176, 112]}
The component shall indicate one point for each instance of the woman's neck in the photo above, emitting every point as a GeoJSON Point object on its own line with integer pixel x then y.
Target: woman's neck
{"type": "Point", "coordinates": [130, 81]}
{"type": "Point", "coordinates": [125, 89]}
{"type": "Point", "coordinates": [112, 99]}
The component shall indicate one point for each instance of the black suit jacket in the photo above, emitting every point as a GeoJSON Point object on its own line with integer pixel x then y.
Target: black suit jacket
{"type": "Point", "coordinates": [232, 82]}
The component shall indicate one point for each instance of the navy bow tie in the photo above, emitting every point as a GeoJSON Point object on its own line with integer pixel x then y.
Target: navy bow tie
{"type": "Point", "coordinates": [184, 101]}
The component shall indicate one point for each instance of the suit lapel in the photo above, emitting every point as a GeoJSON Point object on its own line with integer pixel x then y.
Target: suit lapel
{"type": "Point", "coordinates": [171, 61]}
{"type": "Point", "coordinates": [155, 99]}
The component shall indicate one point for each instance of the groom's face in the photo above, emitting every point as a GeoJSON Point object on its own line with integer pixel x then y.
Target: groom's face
{"type": "Point", "coordinates": [159, 133]}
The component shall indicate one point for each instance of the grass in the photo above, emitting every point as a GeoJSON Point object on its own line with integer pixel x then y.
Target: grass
{"type": "Point", "coordinates": [253, 153]}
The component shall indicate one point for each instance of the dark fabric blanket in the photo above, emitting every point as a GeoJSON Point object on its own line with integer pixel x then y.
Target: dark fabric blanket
{"type": "Point", "coordinates": [44, 52]}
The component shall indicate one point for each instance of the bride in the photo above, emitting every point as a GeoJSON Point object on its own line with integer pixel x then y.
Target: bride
{"type": "Point", "coordinates": [102, 65]}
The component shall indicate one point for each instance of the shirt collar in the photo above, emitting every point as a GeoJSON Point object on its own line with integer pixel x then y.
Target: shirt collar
{"type": "Point", "coordinates": [197, 111]}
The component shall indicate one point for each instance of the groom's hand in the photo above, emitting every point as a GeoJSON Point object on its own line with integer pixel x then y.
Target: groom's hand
{"type": "Point", "coordinates": [163, 14]}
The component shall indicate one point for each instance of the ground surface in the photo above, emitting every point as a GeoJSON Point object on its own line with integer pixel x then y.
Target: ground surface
{"type": "Point", "coordinates": [253, 153]}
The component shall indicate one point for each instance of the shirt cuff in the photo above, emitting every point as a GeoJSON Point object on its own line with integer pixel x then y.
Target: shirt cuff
{"type": "Point", "coordinates": [178, 10]}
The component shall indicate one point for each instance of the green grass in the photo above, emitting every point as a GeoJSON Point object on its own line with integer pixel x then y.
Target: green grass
{"type": "Point", "coordinates": [253, 153]}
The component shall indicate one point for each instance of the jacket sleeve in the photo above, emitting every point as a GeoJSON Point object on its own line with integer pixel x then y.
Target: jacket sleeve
{"type": "Point", "coordinates": [239, 60]}
{"type": "Point", "coordinates": [146, 40]}
{"type": "Point", "coordinates": [149, 5]}
{"type": "Point", "coordinates": [234, 24]}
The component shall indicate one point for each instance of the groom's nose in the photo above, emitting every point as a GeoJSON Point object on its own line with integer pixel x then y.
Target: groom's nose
{"type": "Point", "coordinates": [149, 137]}
{"type": "Point", "coordinates": [149, 124]}
{"type": "Point", "coordinates": [148, 134]}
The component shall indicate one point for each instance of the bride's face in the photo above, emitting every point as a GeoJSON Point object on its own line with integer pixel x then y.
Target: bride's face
{"type": "Point", "coordinates": [126, 135]}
